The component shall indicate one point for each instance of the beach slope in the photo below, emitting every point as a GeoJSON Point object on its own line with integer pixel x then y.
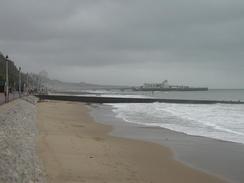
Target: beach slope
{"type": "Point", "coordinates": [75, 149]}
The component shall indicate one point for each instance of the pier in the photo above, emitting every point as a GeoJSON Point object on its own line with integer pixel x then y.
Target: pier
{"type": "Point", "coordinates": [104, 100]}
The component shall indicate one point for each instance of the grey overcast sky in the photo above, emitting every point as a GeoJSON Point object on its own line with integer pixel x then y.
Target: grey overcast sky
{"type": "Point", "coordinates": [194, 42]}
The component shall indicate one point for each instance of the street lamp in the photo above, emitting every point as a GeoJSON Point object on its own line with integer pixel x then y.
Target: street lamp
{"type": "Point", "coordinates": [27, 83]}
{"type": "Point", "coordinates": [19, 81]}
{"type": "Point", "coordinates": [6, 82]}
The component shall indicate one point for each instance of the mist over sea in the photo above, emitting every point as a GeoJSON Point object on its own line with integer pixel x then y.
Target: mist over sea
{"type": "Point", "coordinates": [219, 121]}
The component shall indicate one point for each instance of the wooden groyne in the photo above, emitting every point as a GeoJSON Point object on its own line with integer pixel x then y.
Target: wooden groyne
{"type": "Point", "coordinates": [101, 100]}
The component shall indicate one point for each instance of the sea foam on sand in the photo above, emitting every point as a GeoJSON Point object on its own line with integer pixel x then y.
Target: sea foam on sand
{"type": "Point", "coordinates": [219, 121]}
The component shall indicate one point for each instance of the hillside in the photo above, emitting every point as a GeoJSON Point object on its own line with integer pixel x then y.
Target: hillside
{"type": "Point", "coordinates": [59, 86]}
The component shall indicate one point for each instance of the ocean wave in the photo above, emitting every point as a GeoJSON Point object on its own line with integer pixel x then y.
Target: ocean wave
{"type": "Point", "coordinates": [220, 121]}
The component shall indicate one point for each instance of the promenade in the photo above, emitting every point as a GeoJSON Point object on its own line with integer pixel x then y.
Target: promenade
{"type": "Point", "coordinates": [12, 96]}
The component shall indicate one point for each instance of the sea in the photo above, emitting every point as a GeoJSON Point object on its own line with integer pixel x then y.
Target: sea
{"type": "Point", "coordinates": [207, 137]}
{"type": "Point", "coordinates": [219, 121]}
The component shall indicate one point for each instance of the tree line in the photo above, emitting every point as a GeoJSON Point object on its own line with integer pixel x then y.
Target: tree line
{"type": "Point", "coordinates": [13, 74]}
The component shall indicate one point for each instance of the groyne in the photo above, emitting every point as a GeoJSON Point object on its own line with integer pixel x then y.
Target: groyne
{"type": "Point", "coordinates": [101, 100]}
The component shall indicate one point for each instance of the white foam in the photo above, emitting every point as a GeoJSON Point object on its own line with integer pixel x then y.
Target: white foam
{"type": "Point", "coordinates": [220, 121]}
{"type": "Point", "coordinates": [125, 96]}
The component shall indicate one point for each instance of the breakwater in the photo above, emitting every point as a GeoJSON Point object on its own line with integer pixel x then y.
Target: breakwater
{"type": "Point", "coordinates": [101, 100]}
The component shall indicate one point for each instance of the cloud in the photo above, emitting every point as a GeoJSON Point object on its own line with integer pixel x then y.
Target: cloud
{"type": "Point", "coordinates": [194, 38]}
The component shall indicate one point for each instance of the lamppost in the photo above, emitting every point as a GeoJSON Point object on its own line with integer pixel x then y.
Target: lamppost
{"type": "Point", "coordinates": [6, 82]}
{"type": "Point", "coordinates": [19, 81]}
{"type": "Point", "coordinates": [27, 84]}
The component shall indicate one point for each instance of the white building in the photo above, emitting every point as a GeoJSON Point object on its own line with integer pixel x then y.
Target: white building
{"type": "Point", "coordinates": [164, 84]}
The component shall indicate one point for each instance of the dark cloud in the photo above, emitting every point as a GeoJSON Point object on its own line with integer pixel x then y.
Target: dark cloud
{"type": "Point", "coordinates": [127, 41]}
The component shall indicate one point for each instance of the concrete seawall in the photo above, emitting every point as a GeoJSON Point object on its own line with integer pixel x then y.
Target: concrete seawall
{"type": "Point", "coordinates": [101, 100]}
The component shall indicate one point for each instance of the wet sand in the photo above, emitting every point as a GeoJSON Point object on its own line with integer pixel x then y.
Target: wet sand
{"type": "Point", "coordinates": [74, 148]}
{"type": "Point", "coordinates": [216, 157]}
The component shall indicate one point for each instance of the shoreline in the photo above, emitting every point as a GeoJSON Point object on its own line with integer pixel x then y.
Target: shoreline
{"type": "Point", "coordinates": [74, 147]}
{"type": "Point", "coordinates": [205, 154]}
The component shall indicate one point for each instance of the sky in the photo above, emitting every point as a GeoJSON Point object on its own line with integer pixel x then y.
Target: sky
{"type": "Point", "coordinates": [127, 42]}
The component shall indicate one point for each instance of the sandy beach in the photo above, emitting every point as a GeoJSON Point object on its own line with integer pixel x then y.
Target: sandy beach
{"type": "Point", "coordinates": [74, 148]}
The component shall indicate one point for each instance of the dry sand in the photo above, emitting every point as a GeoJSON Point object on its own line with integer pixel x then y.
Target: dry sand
{"type": "Point", "coordinates": [76, 149]}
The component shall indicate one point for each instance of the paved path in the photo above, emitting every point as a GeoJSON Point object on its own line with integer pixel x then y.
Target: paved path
{"type": "Point", "coordinates": [12, 96]}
